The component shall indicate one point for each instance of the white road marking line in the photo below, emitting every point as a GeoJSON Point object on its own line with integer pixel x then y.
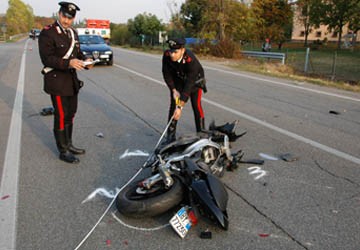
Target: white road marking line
{"type": "Point", "coordinates": [290, 134]}
{"type": "Point", "coordinates": [9, 179]}
{"type": "Point", "coordinates": [265, 124]}
{"type": "Point", "coordinates": [284, 84]}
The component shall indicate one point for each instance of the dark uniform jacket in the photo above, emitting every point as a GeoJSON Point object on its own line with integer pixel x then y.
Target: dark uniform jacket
{"type": "Point", "coordinates": [53, 45]}
{"type": "Point", "coordinates": [183, 75]}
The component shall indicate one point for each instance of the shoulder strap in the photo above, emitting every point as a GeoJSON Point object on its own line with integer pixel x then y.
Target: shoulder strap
{"type": "Point", "coordinates": [68, 53]}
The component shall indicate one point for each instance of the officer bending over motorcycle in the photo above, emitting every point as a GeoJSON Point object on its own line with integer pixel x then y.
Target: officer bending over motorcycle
{"type": "Point", "coordinates": [185, 79]}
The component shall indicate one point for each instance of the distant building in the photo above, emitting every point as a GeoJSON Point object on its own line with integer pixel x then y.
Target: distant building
{"type": "Point", "coordinates": [322, 33]}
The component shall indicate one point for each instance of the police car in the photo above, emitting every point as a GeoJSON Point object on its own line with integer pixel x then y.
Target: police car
{"type": "Point", "coordinates": [94, 46]}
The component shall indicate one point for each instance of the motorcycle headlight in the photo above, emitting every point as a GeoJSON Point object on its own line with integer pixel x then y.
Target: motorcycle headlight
{"type": "Point", "coordinates": [209, 154]}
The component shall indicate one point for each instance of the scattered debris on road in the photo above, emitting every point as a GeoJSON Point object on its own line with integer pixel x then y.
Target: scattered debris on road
{"type": "Point", "coordinates": [47, 111]}
{"type": "Point", "coordinates": [100, 135]}
{"type": "Point", "coordinates": [333, 112]}
{"type": "Point", "coordinates": [268, 157]}
{"type": "Point", "coordinates": [288, 157]}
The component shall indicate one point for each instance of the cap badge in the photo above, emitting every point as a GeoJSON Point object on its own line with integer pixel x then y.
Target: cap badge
{"type": "Point", "coordinates": [71, 7]}
{"type": "Point", "coordinates": [172, 43]}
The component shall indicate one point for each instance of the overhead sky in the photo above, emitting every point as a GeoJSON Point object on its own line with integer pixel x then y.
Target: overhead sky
{"type": "Point", "coordinates": [117, 11]}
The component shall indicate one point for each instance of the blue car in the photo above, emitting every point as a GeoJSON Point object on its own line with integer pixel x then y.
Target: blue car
{"type": "Point", "coordinates": [94, 46]}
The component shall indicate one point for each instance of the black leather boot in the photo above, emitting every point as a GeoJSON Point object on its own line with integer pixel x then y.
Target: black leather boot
{"type": "Point", "coordinates": [171, 133]}
{"type": "Point", "coordinates": [62, 145]}
{"type": "Point", "coordinates": [200, 125]}
{"type": "Point", "coordinates": [71, 147]}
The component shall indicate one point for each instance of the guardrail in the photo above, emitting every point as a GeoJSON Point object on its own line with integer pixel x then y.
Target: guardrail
{"type": "Point", "coordinates": [2, 37]}
{"type": "Point", "coordinates": [17, 36]}
{"type": "Point", "coordinates": [270, 55]}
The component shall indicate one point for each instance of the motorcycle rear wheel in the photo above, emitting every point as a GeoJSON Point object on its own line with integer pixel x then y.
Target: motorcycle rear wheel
{"type": "Point", "coordinates": [150, 203]}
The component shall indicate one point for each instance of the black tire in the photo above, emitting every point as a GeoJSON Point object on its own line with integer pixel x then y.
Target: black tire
{"type": "Point", "coordinates": [111, 62]}
{"type": "Point", "coordinates": [132, 204]}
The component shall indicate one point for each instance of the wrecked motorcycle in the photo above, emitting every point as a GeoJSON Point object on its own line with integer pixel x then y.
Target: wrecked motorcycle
{"type": "Point", "coordinates": [185, 171]}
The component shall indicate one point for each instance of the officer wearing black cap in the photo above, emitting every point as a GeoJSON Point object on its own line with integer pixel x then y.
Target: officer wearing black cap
{"type": "Point", "coordinates": [185, 78]}
{"type": "Point", "coordinates": [68, 9]}
{"type": "Point", "coordinates": [60, 53]}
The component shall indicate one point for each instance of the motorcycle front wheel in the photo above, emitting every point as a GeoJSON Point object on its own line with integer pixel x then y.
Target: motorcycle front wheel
{"type": "Point", "coordinates": [134, 201]}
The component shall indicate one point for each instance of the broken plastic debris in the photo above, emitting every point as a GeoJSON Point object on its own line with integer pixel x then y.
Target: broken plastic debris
{"type": "Point", "coordinates": [192, 218]}
{"type": "Point", "coordinates": [205, 235]}
{"type": "Point", "coordinates": [47, 111]}
{"type": "Point", "coordinates": [288, 157]}
{"type": "Point", "coordinates": [264, 235]}
{"type": "Point", "coordinates": [253, 161]}
{"type": "Point", "coordinates": [5, 197]}
{"type": "Point", "coordinates": [334, 112]}
{"type": "Point", "coordinates": [268, 157]}
{"type": "Point", "coordinates": [100, 135]}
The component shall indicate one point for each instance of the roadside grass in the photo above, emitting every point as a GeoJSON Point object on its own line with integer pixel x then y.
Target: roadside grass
{"type": "Point", "coordinates": [287, 72]}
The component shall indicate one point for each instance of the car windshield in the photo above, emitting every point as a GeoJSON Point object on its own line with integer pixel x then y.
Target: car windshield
{"type": "Point", "coordinates": [89, 39]}
{"type": "Point", "coordinates": [35, 31]}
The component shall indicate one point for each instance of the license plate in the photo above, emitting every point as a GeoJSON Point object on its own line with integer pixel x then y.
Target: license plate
{"type": "Point", "coordinates": [181, 222]}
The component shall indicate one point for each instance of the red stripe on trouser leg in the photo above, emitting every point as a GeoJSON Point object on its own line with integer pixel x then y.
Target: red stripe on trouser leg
{"type": "Point", "coordinates": [61, 113]}
{"type": "Point", "coordinates": [199, 103]}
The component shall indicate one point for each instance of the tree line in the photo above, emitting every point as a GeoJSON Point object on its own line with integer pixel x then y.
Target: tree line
{"type": "Point", "coordinates": [222, 24]}
{"type": "Point", "coordinates": [333, 13]}
{"type": "Point", "coordinates": [231, 22]}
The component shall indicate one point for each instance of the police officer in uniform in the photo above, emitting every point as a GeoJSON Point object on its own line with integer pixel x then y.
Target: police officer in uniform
{"type": "Point", "coordinates": [60, 53]}
{"type": "Point", "coordinates": [185, 78]}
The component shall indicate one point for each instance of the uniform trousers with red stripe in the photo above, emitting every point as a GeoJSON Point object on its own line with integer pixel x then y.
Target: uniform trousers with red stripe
{"type": "Point", "coordinates": [195, 98]}
{"type": "Point", "coordinates": [65, 108]}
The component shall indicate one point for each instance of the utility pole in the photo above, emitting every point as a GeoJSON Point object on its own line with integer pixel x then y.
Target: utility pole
{"type": "Point", "coordinates": [3, 29]}
{"type": "Point", "coordinates": [221, 20]}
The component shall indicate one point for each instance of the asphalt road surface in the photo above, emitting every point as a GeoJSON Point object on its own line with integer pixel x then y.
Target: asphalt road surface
{"type": "Point", "coordinates": [311, 201]}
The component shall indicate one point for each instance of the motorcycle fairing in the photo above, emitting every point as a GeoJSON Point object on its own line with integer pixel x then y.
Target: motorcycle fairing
{"type": "Point", "coordinates": [200, 188]}
{"type": "Point", "coordinates": [218, 190]}
{"type": "Point", "coordinates": [228, 129]}
{"type": "Point", "coordinates": [213, 184]}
